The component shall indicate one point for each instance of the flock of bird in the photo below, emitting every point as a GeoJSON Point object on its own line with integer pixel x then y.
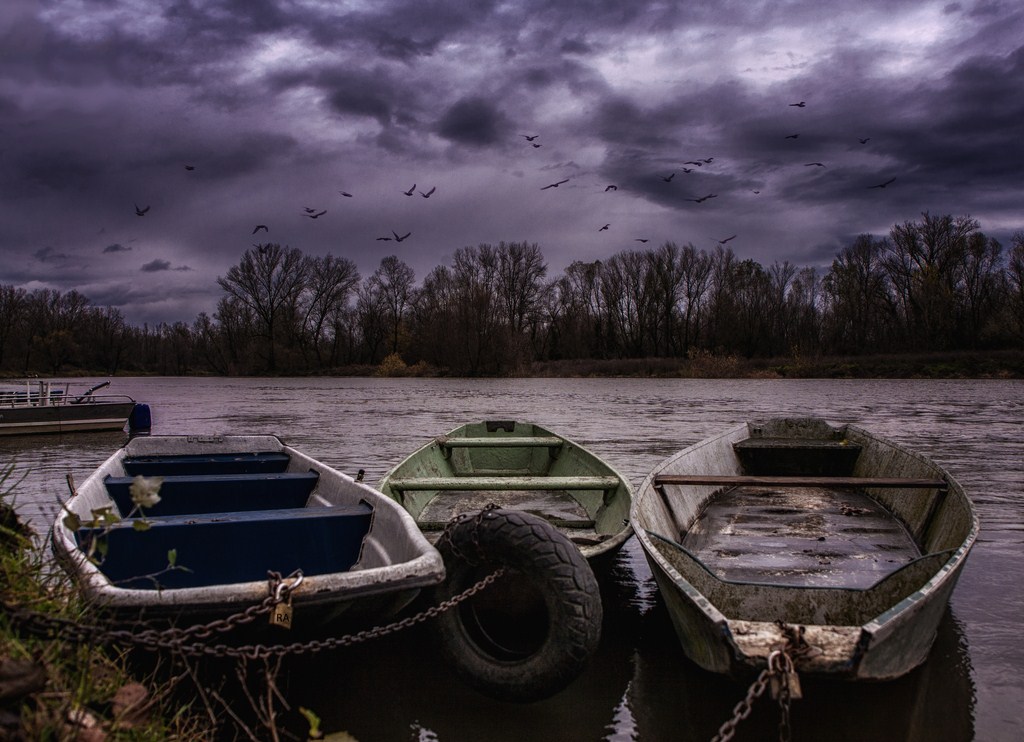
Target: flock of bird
{"type": "Point", "coordinates": [316, 213]}
{"type": "Point", "coordinates": [698, 164]}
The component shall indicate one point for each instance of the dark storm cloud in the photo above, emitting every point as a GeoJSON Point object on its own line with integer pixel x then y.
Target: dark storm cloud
{"type": "Point", "coordinates": [473, 121]}
{"type": "Point", "coordinates": [48, 255]}
{"type": "Point", "coordinates": [155, 266]}
{"type": "Point", "coordinates": [277, 106]}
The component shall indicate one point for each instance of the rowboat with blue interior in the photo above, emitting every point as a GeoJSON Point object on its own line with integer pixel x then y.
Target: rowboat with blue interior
{"type": "Point", "coordinates": [793, 534]}
{"type": "Point", "coordinates": [228, 512]}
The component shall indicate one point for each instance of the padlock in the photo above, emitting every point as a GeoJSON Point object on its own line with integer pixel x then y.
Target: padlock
{"type": "Point", "coordinates": [793, 681]}
{"type": "Point", "coordinates": [281, 614]}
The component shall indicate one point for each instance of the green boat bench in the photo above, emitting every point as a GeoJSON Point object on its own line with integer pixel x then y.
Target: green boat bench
{"type": "Point", "coordinates": [503, 483]}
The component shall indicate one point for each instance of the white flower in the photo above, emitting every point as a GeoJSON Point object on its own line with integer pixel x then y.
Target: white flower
{"type": "Point", "coordinates": [145, 491]}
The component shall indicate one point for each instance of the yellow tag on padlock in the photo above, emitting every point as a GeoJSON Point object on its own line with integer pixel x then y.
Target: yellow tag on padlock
{"type": "Point", "coordinates": [281, 614]}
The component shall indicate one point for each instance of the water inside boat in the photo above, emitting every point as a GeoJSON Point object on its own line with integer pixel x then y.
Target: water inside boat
{"type": "Point", "coordinates": [799, 536]}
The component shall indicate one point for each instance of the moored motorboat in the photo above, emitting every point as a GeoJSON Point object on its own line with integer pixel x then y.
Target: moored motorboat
{"type": "Point", "coordinates": [40, 406]}
{"type": "Point", "coordinates": [228, 512]}
{"type": "Point", "coordinates": [518, 466]}
{"type": "Point", "coordinates": [827, 542]}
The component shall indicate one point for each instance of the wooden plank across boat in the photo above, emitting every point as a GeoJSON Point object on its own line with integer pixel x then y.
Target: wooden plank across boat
{"type": "Point", "coordinates": [233, 509]}
{"type": "Point", "coordinates": [518, 466]}
{"type": "Point", "coordinates": [793, 524]}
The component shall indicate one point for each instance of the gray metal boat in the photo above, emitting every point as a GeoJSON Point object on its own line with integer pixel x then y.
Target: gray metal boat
{"type": "Point", "coordinates": [58, 407]}
{"type": "Point", "coordinates": [827, 541]}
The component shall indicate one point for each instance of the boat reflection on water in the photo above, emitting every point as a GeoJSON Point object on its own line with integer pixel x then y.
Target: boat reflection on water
{"type": "Point", "coordinates": [638, 686]}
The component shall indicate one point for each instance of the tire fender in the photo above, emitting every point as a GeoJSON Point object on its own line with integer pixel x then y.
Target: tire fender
{"type": "Point", "coordinates": [564, 603]}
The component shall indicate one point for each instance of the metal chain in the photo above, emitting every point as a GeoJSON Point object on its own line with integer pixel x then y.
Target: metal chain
{"type": "Point", "coordinates": [182, 639]}
{"type": "Point", "coordinates": [175, 639]}
{"type": "Point", "coordinates": [742, 709]}
{"type": "Point", "coordinates": [780, 668]}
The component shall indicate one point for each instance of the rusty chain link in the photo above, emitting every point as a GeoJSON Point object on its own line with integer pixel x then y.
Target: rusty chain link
{"type": "Point", "coordinates": [742, 709]}
{"type": "Point", "coordinates": [177, 639]}
{"type": "Point", "coordinates": [780, 672]}
{"type": "Point", "coordinates": [183, 639]}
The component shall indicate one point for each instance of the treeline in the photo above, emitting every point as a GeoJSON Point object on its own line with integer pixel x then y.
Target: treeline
{"type": "Point", "coordinates": [933, 285]}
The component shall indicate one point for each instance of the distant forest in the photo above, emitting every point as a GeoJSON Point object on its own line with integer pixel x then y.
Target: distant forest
{"type": "Point", "coordinates": [933, 285]}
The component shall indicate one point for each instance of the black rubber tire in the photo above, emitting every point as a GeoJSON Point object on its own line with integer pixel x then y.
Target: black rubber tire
{"type": "Point", "coordinates": [566, 606]}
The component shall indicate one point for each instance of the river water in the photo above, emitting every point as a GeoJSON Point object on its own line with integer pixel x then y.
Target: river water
{"type": "Point", "coordinates": [639, 686]}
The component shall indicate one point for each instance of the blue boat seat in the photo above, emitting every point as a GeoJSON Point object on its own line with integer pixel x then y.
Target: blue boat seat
{"type": "Point", "coordinates": [225, 548]}
{"type": "Point", "coordinates": [249, 462]}
{"type": "Point", "coordinates": [219, 493]}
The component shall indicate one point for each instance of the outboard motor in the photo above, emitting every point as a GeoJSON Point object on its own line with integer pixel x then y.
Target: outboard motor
{"type": "Point", "coordinates": [140, 420]}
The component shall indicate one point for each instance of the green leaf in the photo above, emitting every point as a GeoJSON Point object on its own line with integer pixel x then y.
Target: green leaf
{"type": "Point", "coordinates": [314, 723]}
{"type": "Point", "coordinates": [172, 557]}
{"type": "Point", "coordinates": [72, 522]}
{"type": "Point", "coordinates": [141, 525]}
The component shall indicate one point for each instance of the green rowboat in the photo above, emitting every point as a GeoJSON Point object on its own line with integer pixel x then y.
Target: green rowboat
{"type": "Point", "coordinates": [517, 466]}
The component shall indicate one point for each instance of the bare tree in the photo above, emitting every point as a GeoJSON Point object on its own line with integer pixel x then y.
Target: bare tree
{"type": "Point", "coordinates": [268, 280]}
{"type": "Point", "coordinates": [982, 284]}
{"type": "Point", "coordinates": [924, 262]}
{"type": "Point", "coordinates": [13, 302]}
{"type": "Point", "coordinates": [329, 288]}
{"type": "Point", "coordinates": [393, 281]}
{"type": "Point", "coordinates": [1015, 284]}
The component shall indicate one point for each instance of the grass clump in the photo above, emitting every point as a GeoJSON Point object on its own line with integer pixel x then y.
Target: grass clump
{"type": "Point", "coordinates": [52, 688]}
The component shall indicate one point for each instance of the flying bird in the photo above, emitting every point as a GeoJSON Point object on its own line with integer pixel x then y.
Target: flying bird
{"type": "Point", "coordinates": [399, 239]}
{"type": "Point", "coordinates": [883, 185]}
{"type": "Point", "coordinates": [529, 137]}
{"type": "Point", "coordinates": [555, 185]}
{"type": "Point", "coordinates": [641, 239]}
{"type": "Point", "coordinates": [722, 242]}
{"type": "Point", "coordinates": [535, 145]}
{"type": "Point", "coordinates": [190, 167]}
{"type": "Point", "coordinates": [411, 190]}
{"type": "Point", "coordinates": [310, 210]}
{"type": "Point", "coordinates": [345, 194]}
{"type": "Point", "coordinates": [792, 136]}
{"type": "Point", "coordinates": [610, 188]}
{"type": "Point", "coordinates": [863, 141]}
{"type": "Point", "coordinates": [801, 104]}
{"type": "Point", "coordinates": [602, 229]}
{"type": "Point", "coordinates": [317, 215]}
{"type": "Point", "coordinates": [687, 169]}
{"type": "Point", "coordinates": [702, 199]}
{"type": "Point", "coordinates": [698, 163]}
{"type": "Point", "coordinates": [259, 227]}
{"type": "Point", "coordinates": [813, 164]}
{"type": "Point", "coordinates": [755, 191]}
{"type": "Point", "coordinates": [427, 194]}
{"type": "Point", "coordinates": [140, 212]}
{"type": "Point", "coordinates": [386, 239]}
{"type": "Point", "coordinates": [668, 178]}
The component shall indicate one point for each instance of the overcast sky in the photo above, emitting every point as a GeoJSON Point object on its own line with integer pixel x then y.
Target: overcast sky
{"type": "Point", "coordinates": [214, 116]}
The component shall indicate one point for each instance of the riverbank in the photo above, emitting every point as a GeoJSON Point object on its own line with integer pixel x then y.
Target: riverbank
{"type": "Point", "coordinates": [961, 365]}
{"type": "Point", "coordinates": [52, 687]}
